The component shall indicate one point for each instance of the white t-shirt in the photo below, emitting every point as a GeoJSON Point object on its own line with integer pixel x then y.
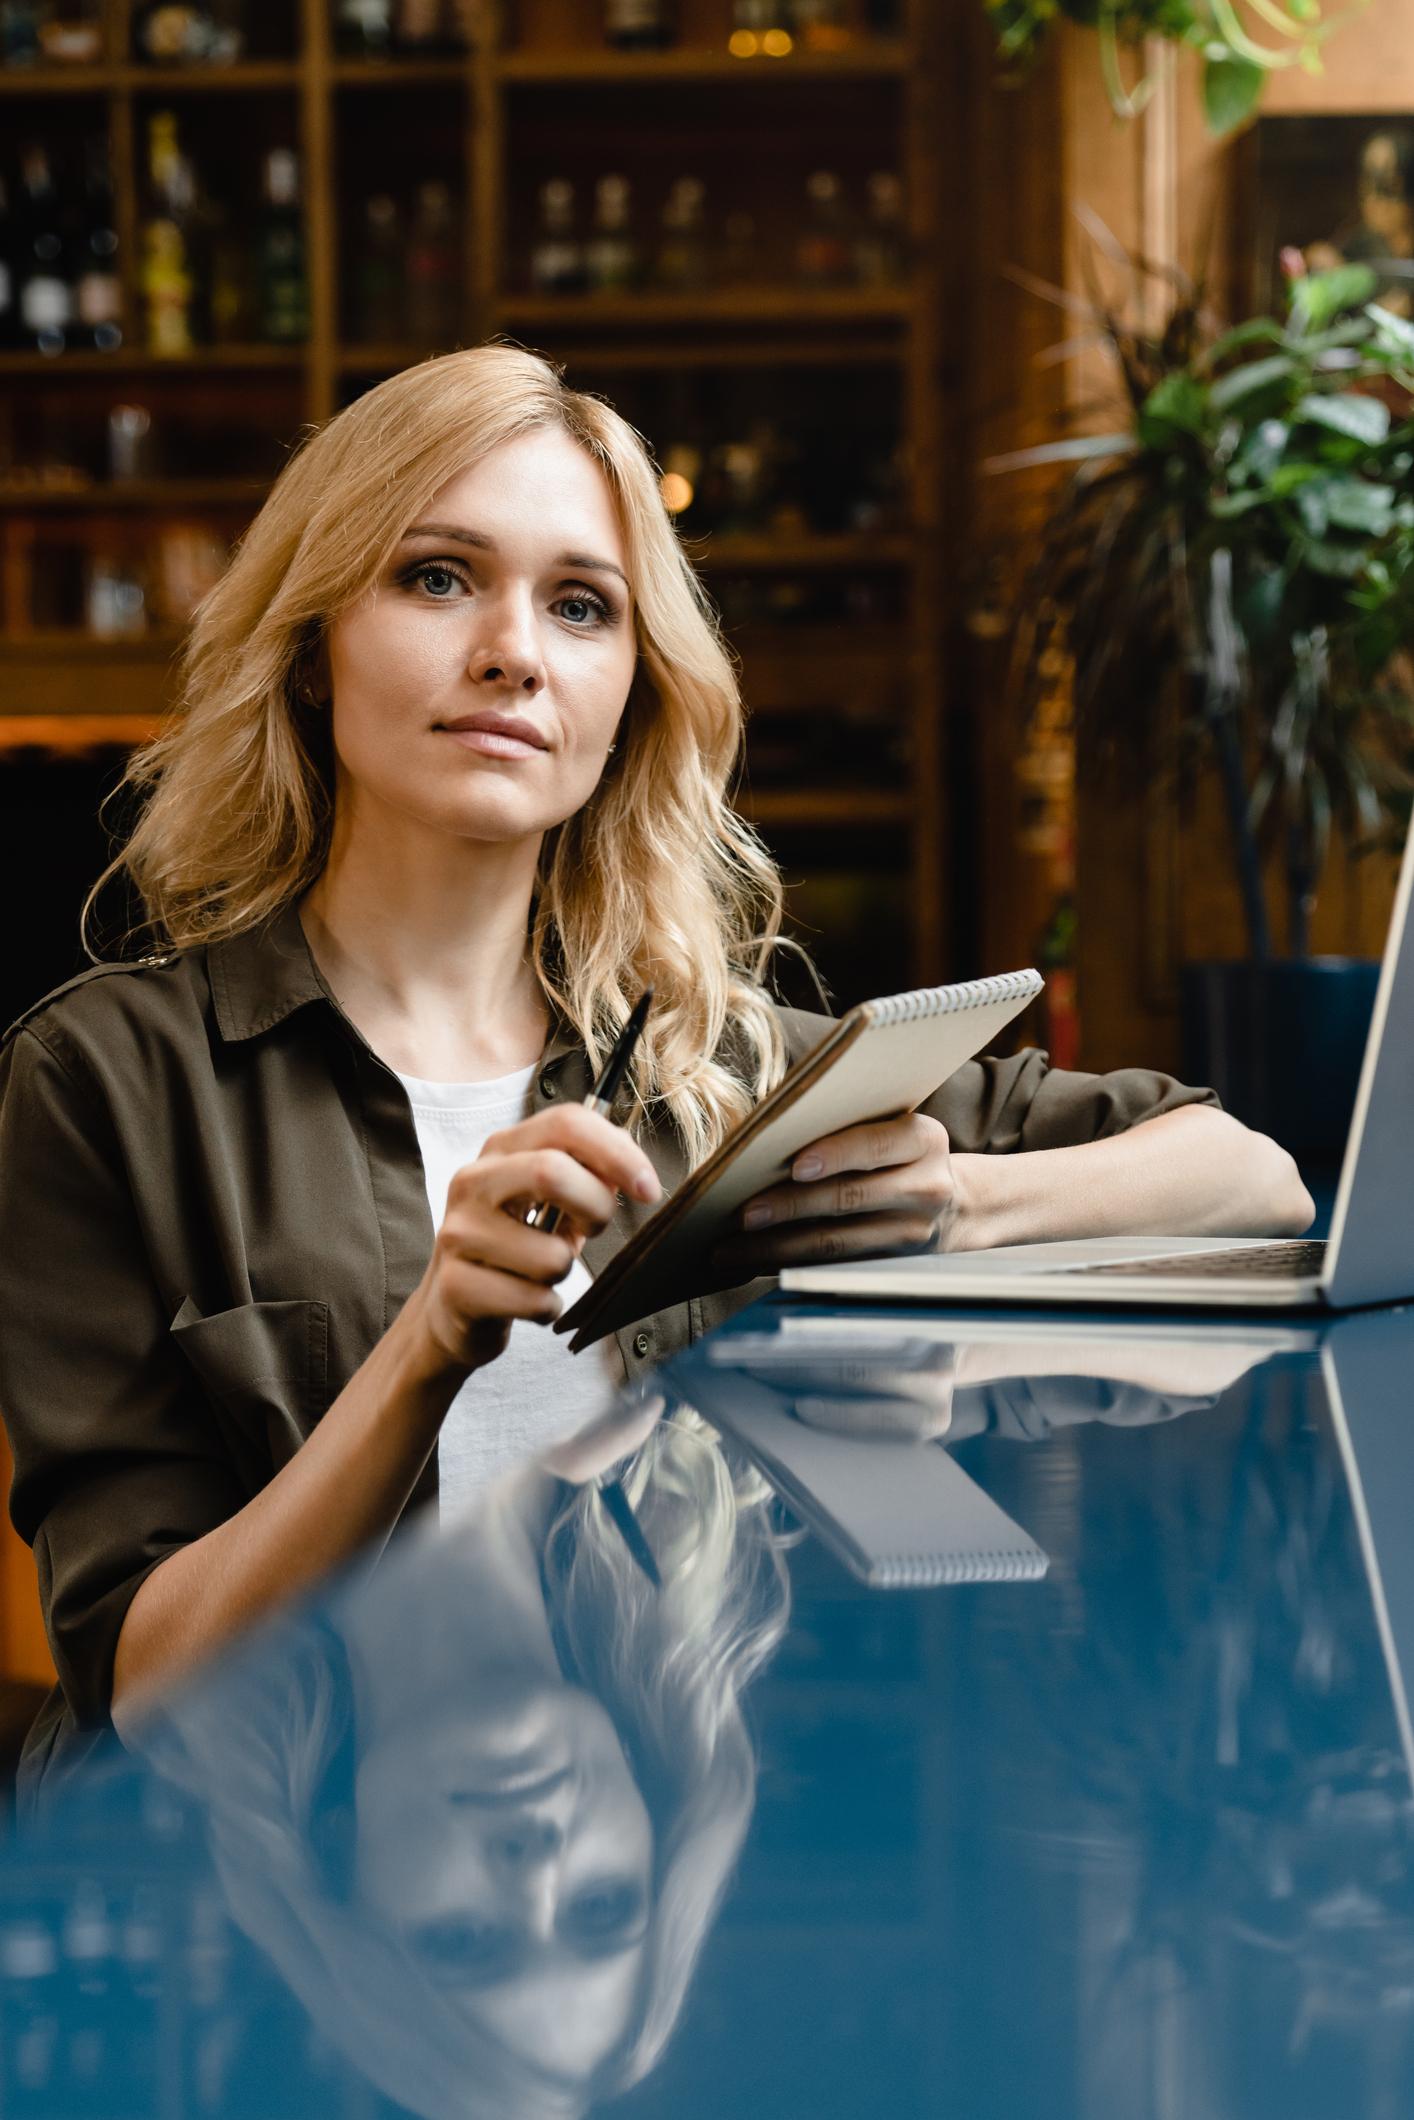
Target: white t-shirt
{"type": "Point", "coordinates": [537, 1391]}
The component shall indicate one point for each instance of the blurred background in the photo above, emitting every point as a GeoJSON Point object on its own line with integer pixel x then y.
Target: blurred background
{"type": "Point", "coordinates": [866, 274]}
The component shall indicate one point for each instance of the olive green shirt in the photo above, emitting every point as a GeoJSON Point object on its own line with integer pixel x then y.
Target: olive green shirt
{"type": "Point", "coordinates": [212, 1207]}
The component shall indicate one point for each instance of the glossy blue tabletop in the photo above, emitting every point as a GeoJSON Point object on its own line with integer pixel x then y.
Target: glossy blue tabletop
{"type": "Point", "coordinates": [1102, 1813]}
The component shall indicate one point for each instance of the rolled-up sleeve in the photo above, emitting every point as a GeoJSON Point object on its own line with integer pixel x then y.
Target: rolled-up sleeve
{"type": "Point", "coordinates": [993, 1106]}
{"type": "Point", "coordinates": [117, 1461]}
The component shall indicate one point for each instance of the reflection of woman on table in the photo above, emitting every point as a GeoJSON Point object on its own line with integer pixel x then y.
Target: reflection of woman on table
{"type": "Point", "coordinates": [481, 1812]}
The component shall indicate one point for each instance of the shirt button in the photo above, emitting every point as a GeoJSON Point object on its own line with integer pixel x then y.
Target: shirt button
{"type": "Point", "coordinates": [547, 1084]}
{"type": "Point", "coordinates": [641, 1343]}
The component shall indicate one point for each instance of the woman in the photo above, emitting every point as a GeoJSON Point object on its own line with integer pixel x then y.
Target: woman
{"type": "Point", "coordinates": [480, 1811]}
{"type": "Point", "coordinates": [447, 792]}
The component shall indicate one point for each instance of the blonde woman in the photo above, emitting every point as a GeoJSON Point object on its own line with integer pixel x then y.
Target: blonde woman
{"type": "Point", "coordinates": [445, 791]}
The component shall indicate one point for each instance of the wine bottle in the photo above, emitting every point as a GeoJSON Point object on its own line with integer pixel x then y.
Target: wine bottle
{"type": "Point", "coordinates": [639, 25]}
{"type": "Point", "coordinates": [9, 313]}
{"type": "Point", "coordinates": [823, 254]}
{"type": "Point", "coordinates": [683, 263]}
{"type": "Point", "coordinates": [556, 257]}
{"type": "Point", "coordinates": [282, 294]}
{"type": "Point", "coordinates": [98, 293]}
{"type": "Point", "coordinates": [612, 255]}
{"type": "Point", "coordinates": [380, 284]}
{"type": "Point", "coordinates": [881, 249]}
{"type": "Point", "coordinates": [432, 269]}
{"type": "Point", "coordinates": [45, 283]}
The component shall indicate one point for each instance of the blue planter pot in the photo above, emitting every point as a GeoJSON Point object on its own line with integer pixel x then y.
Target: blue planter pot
{"type": "Point", "coordinates": [1281, 1043]}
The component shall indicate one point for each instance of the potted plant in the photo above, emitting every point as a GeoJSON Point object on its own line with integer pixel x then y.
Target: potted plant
{"type": "Point", "coordinates": [1248, 537]}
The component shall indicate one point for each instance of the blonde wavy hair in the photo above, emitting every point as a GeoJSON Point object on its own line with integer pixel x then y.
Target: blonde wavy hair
{"type": "Point", "coordinates": [655, 880]}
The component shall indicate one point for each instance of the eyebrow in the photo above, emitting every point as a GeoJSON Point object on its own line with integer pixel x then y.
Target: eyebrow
{"type": "Point", "coordinates": [482, 543]}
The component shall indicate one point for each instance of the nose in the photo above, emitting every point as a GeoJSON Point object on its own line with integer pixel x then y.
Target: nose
{"type": "Point", "coordinates": [506, 654]}
{"type": "Point", "coordinates": [528, 1842]}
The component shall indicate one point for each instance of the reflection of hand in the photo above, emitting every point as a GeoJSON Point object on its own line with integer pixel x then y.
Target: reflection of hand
{"type": "Point", "coordinates": [865, 1193]}
{"type": "Point", "coordinates": [914, 1404]}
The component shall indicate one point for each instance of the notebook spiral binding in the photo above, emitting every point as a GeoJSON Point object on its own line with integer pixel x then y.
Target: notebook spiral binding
{"type": "Point", "coordinates": [921, 1571]}
{"type": "Point", "coordinates": [952, 1000]}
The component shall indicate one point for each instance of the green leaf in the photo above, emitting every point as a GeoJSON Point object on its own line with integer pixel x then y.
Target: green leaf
{"type": "Point", "coordinates": [1288, 477]}
{"type": "Point", "coordinates": [1318, 299]}
{"type": "Point", "coordinates": [1313, 506]}
{"type": "Point", "coordinates": [1257, 330]}
{"type": "Point", "coordinates": [1175, 406]}
{"type": "Point", "coordinates": [1359, 504]}
{"type": "Point", "coordinates": [1328, 556]}
{"type": "Point", "coordinates": [1245, 382]}
{"type": "Point", "coordinates": [1231, 87]}
{"type": "Point", "coordinates": [1395, 334]}
{"type": "Point", "coordinates": [1362, 419]}
{"type": "Point", "coordinates": [1225, 506]}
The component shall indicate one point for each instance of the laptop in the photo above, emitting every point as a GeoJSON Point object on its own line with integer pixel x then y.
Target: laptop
{"type": "Point", "coordinates": [1368, 1257]}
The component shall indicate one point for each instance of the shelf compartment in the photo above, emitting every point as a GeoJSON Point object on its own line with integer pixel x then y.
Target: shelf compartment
{"type": "Point", "coordinates": [136, 495]}
{"type": "Point", "coordinates": [836, 808]}
{"type": "Point", "coordinates": [729, 305]}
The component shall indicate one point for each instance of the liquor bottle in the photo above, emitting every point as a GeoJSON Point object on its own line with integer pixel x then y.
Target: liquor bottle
{"type": "Point", "coordinates": [168, 278]}
{"type": "Point", "coordinates": [557, 256]}
{"type": "Point", "coordinates": [612, 256]}
{"type": "Point", "coordinates": [823, 255]}
{"type": "Point", "coordinates": [683, 264]}
{"type": "Point", "coordinates": [640, 25]}
{"type": "Point", "coordinates": [363, 29]}
{"type": "Point", "coordinates": [98, 294]}
{"type": "Point", "coordinates": [881, 247]}
{"type": "Point", "coordinates": [282, 299]}
{"type": "Point", "coordinates": [380, 282]}
{"type": "Point", "coordinates": [432, 294]}
{"type": "Point", "coordinates": [44, 293]}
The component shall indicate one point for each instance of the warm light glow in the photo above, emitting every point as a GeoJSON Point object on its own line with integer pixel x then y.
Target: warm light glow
{"type": "Point", "coordinates": [743, 43]}
{"type": "Point", "coordinates": [677, 492]}
{"type": "Point", "coordinates": [777, 42]}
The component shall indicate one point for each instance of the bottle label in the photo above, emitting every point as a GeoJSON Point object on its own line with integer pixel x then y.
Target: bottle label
{"type": "Point", "coordinates": [46, 304]}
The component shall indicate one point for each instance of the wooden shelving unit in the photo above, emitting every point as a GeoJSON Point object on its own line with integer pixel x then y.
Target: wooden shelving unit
{"type": "Point", "coordinates": [502, 100]}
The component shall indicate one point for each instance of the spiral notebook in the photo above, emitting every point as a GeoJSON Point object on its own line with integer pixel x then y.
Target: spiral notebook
{"type": "Point", "coordinates": [900, 1515]}
{"type": "Point", "coordinates": [881, 1059]}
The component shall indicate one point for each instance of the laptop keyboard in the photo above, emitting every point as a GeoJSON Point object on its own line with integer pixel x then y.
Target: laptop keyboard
{"type": "Point", "coordinates": [1272, 1262]}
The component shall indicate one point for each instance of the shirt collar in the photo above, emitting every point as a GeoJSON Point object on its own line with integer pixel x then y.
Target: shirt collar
{"type": "Point", "coordinates": [264, 973]}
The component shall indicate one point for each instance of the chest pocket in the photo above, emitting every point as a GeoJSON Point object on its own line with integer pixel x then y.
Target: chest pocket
{"type": "Point", "coordinates": [264, 1367]}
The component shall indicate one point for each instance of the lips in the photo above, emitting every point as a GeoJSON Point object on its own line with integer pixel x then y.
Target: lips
{"type": "Point", "coordinates": [511, 727]}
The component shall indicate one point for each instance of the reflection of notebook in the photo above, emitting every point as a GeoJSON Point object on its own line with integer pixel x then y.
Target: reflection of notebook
{"type": "Point", "coordinates": [898, 1514]}
{"type": "Point", "coordinates": [882, 1058]}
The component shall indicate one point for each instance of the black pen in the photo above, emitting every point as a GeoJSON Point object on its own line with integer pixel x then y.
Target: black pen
{"type": "Point", "coordinates": [601, 1097]}
{"type": "Point", "coordinates": [548, 1217]}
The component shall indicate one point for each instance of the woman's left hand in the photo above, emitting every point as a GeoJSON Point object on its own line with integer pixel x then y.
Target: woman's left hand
{"type": "Point", "coordinates": [890, 1186]}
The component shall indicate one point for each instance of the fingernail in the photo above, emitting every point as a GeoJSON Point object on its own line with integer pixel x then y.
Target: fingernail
{"type": "Point", "coordinates": [807, 1167]}
{"type": "Point", "coordinates": [756, 1217]}
{"type": "Point", "coordinates": [646, 1185]}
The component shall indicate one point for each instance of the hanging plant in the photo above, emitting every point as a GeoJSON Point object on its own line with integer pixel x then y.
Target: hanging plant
{"type": "Point", "coordinates": [1240, 43]}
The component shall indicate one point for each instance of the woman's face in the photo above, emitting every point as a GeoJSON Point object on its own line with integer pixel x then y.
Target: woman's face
{"type": "Point", "coordinates": [512, 1850]}
{"type": "Point", "coordinates": [477, 686]}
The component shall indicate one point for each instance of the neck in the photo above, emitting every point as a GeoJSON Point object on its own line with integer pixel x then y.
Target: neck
{"type": "Point", "coordinates": [425, 946]}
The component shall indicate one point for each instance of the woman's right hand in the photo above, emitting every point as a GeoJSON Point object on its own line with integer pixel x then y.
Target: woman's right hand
{"type": "Point", "coordinates": [487, 1267]}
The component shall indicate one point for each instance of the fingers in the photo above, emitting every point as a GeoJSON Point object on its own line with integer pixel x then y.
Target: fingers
{"type": "Point", "coordinates": [608, 1151]}
{"type": "Point", "coordinates": [506, 1246]}
{"type": "Point", "coordinates": [868, 1236]}
{"type": "Point", "coordinates": [478, 1292]}
{"type": "Point", "coordinates": [550, 1174]}
{"type": "Point", "coordinates": [923, 1177]}
{"type": "Point", "coordinates": [873, 1146]}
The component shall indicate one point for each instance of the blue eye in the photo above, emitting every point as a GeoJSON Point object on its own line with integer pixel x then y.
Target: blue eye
{"type": "Point", "coordinates": [582, 609]}
{"type": "Point", "coordinates": [432, 571]}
